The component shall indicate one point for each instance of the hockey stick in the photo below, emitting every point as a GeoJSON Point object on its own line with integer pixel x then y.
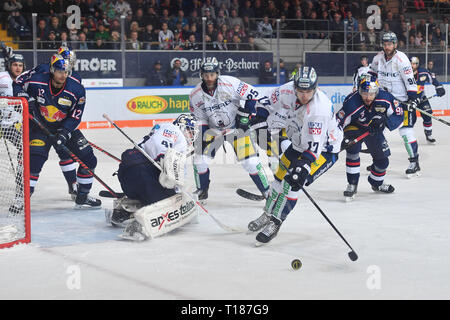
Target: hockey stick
{"type": "Point", "coordinates": [104, 151]}
{"type": "Point", "coordinates": [220, 224]}
{"type": "Point", "coordinates": [429, 114]}
{"type": "Point", "coordinates": [9, 155]}
{"type": "Point", "coordinates": [256, 197]}
{"type": "Point", "coordinates": [73, 156]}
{"type": "Point", "coordinates": [352, 254]}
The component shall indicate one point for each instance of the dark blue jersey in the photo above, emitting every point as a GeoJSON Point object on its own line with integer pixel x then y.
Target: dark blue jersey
{"type": "Point", "coordinates": [355, 112]}
{"type": "Point", "coordinates": [423, 76]}
{"type": "Point", "coordinates": [62, 108]}
{"type": "Point", "coordinates": [41, 68]}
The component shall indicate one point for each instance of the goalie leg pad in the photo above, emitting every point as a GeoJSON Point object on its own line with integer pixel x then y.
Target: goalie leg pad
{"type": "Point", "coordinates": [166, 215]}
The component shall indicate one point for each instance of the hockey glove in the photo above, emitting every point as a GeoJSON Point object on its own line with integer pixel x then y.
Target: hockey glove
{"type": "Point", "coordinates": [61, 138]}
{"type": "Point", "coordinates": [300, 172]}
{"type": "Point", "coordinates": [412, 104]}
{"type": "Point", "coordinates": [440, 91]}
{"type": "Point", "coordinates": [377, 124]}
{"type": "Point", "coordinates": [242, 119]}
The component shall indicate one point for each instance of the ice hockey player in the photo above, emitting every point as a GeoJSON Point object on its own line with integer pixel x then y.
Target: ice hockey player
{"type": "Point", "coordinates": [369, 109]}
{"type": "Point", "coordinates": [66, 163]}
{"type": "Point", "coordinates": [215, 102]}
{"type": "Point", "coordinates": [361, 69]}
{"type": "Point", "coordinates": [395, 75]}
{"type": "Point", "coordinates": [150, 192]}
{"type": "Point", "coordinates": [312, 128]}
{"type": "Point", "coordinates": [58, 102]}
{"type": "Point", "coordinates": [423, 76]}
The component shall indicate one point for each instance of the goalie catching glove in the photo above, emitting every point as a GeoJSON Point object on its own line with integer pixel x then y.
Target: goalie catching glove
{"type": "Point", "coordinates": [172, 169]}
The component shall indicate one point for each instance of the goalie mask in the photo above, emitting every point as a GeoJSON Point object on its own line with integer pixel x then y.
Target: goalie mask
{"type": "Point", "coordinates": [187, 124]}
{"type": "Point", "coordinates": [68, 54]}
{"type": "Point", "coordinates": [57, 62]}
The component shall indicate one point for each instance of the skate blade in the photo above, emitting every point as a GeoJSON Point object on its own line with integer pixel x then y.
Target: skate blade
{"type": "Point", "coordinates": [83, 207]}
{"type": "Point", "coordinates": [136, 238]}
{"type": "Point", "coordinates": [259, 244]}
{"type": "Point", "coordinates": [349, 199]}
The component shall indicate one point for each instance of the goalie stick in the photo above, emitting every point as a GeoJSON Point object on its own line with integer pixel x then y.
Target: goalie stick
{"type": "Point", "coordinates": [217, 221]}
{"type": "Point", "coordinates": [256, 197]}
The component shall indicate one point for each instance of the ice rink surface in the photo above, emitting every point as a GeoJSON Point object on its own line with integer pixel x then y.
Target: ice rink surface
{"type": "Point", "coordinates": [402, 239]}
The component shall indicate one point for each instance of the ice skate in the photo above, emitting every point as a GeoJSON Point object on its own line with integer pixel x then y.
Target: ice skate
{"type": "Point", "coordinates": [202, 195]}
{"type": "Point", "coordinates": [133, 232]}
{"type": "Point", "coordinates": [414, 168]}
{"type": "Point", "coordinates": [259, 223]}
{"type": "Point", "coordinates": [85, 201]}
{"type": "Point", "coordinates": [350, 192]}
{"type": "Point", "coordinates": [384, 188]}
{"type": "Point", "coordinates": [73, 188]}
{"type": "Point", "coordinates": [269, 232]}
{"type": "Point", "coordinates": [429, 137]}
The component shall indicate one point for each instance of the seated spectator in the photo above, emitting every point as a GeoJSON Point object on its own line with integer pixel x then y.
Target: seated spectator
{"type": "Point", "coordinates": [235, 19]}
{"type": "Point", "coordinates": [193, 30]}
{"type": "Point", "coordinates": [140, 19]}
{"type": "Point", "coordinates": [55, 26]}
{"type": "Point", "coordinates": [220, 43]}
{"type": "Point", "coordinates": [82, 43]}
{"type": "Point", "coordinates": [221, 19]}
{"type": "Point", "coordinates": [265, 28]}
{"type": "Point", "coordinates": [209, 17]}
{"type": "Point", "coordinates": [64, 40]}
{"type": "Point", "coordinates": [438, 36]}
{"type": "Point", "coordinates": [266, 74]}
{"type": "Point", "coordinates": [251, 45]}
{"type": "Point", "coordinates": [177, 43]}
{"type": "Point", "coordinates": [42, 30]}
{"type": "Point", "coordinates": [18, 25]}
{"type": "Point", "coordinates": [149, 37]}
{"type": "Point", "coordinates": [272, 9]}
{"type": "Point", "coordinates": [373, 42]}
{"type": "Point", "coordinates": [176, 76]}
{"type": "Point", "coordinates": [102, 33]}
{"type": "Point", "coordinates": [337, 34]}
{"type": "Point", "coordinates": [133, 42]}
{"type": "Point", "coordinates": [352, 23]}
{"type": "Point", "coordinates": [360, 39]}
{"type": "Point", "coordinates": [248, 11]}
{"type": "Point", "coordinates": [99, 44]}
{"type": "Point", "coordinates": [208, 10]}
{"type": "Point", "coordinates": [236, 31]}
{"type": "Point", "coordinates": [107, 7]}
{"type": "Point", "coordinates": [165, 37]}
{"type": "Point", "coordinates": [51, 42]}
{"type": "Point", "coordinates": [418, 38]}
{"type": "Point", "coordinates": [224, 30]}
{"type": "Point", "coordinates": [208, 43]}
{"type": "Point", "coordinates": [156, 76]}
{"type": "Point", "coordinates": [191, 43]}
{"type": "Point", "coordinates": [211, 31]}
{"type": "Point", "coordinates": [73, 34]}
{"type": "Point", "coordinates": [115, 25]}
{"type": "Point", "coordinates": [235, 44]}
{"type": "Point", "coordinates": [194, 18]}
{"type": "Point", "coordinates": [180, 18]}
{"type": "Point", "coordinates": [115, 41]}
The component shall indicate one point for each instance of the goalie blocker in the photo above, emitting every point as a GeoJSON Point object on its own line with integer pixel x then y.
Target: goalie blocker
{"type": "Point", "coordinates": [160, 218]}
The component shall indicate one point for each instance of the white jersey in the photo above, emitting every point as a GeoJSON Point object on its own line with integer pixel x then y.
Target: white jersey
{"type": "Point", "coordinates": [312, 127]}
{"type": "Point", "coordinates": [6, 81]}
{"type": "Point", "coordinates": [396, 75]}
{"type": "Point", "coordinates": [163, 136]}
{"type": "Point", "coordinates": [218, 111]}
{"type": "Point", "coordinates": [358, 73]}
{"type": "Point", "coordinates": [8, 116]}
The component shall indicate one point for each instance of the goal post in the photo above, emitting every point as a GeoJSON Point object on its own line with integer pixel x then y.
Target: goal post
{"type": "Point", "coordinates": [15, 219]}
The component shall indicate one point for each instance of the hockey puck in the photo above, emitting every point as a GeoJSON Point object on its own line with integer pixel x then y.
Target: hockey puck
{"type": "Point", "coordinates": [296, 264]}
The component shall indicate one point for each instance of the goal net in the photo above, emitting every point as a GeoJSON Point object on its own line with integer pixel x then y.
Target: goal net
{"type": "Point", "coordinates": [14, 172]}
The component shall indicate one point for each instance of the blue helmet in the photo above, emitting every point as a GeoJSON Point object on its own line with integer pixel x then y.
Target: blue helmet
{"type": "Point", "coordinates": [67, 54]}
{"type": "Point", "coordinates": [368, 83]}
{"type": "Point", "coordinates": [57, 62]}
{"type": "Point", "coordinates": [389, 37]}
{"type": "Point", "coordinates": [305, 79]}
{"type": "Point", "coordinates": [210, 66]}
{"type": "Point", "coordinates": [187, 124]}
{"type": "Point", "coordinates": [16, 57]}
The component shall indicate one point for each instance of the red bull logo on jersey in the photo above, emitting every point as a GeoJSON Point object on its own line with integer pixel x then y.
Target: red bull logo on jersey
{"type": "Point", "coordinates": [52, 114]}
{"type": "Point", "coordinates": [147, 104]}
